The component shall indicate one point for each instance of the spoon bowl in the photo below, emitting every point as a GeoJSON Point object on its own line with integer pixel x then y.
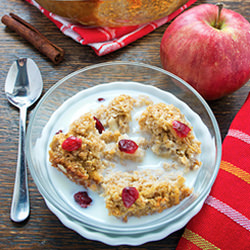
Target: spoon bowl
{"type": "Point", "coordinates": [23, 86]}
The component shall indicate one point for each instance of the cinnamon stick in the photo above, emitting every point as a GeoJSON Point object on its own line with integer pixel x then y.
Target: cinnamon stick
{"type": "Point", "coordinates": [33, 36]}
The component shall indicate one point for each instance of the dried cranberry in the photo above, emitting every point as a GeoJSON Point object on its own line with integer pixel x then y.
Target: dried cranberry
{"type": "Point", "coordinates": [59, 131]}
{"type": "Point", "coordinates": [129, 196]}
{"type": "Point", "coordinates": [83, 199]}
{"type": "Point", "coordinates": [98, 125]}
{"type": "Point", "coordinates": [127, 146]}
{"type": "Point", "coordinates": [100, 99]}
{"type": "Point", "coordinates": [181, 129]}
{"type": "Point", "coordinates": [72, 143]}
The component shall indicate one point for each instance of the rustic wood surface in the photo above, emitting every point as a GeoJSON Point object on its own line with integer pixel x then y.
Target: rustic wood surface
{"type": "Point", "coordinates": [43, 230]}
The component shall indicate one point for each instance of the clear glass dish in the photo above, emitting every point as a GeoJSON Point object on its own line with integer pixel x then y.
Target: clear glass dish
{"type": "Point", "coordinates": [64, 98]}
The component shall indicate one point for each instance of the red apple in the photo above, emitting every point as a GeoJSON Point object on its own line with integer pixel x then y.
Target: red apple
{"type": "Point", "coordinates": [209, 49]}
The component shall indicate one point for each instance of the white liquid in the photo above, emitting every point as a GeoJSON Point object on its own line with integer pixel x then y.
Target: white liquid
{"type": "Point", "coordinates": [86, 101]}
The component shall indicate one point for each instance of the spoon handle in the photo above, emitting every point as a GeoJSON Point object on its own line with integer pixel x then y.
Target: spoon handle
{"type": "Point", "coordinates": [20, 206]}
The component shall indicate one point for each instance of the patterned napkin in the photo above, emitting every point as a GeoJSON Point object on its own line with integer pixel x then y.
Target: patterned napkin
{"type": "Point", "coordinates": [106, 40]}
{"type": "Point", "coordinates": [224, 220]}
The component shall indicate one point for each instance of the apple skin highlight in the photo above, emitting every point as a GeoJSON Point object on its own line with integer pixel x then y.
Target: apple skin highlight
{"type": "Point", "coordinates": [216, 62]}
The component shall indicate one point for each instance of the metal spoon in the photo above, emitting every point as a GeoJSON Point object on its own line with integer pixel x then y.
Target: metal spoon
{"type": "Point", "coordinates": [23, 86]}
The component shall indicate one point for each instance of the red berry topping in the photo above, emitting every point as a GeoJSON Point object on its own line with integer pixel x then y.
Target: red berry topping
{"type": "Point", "coordinates": [100, 99]}
{"type": "Point", "coordinates": [72, 143]}
{"type": "Point", "coordinates": [181, 129]}
{"type": "Point", "coordinates": [83, 199]}
{"type": "Point", "coordinates": [98, 125]}
{"type": "Point", "coordinates": [127, 146]}
{"type": "Point", "coordinates": [59, 131]}
{"type": "Point", "coordinates": [129, 196]}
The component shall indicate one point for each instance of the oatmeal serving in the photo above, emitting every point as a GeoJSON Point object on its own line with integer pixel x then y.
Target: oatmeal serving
{"type": "Point", "coordinates": [103, 151]}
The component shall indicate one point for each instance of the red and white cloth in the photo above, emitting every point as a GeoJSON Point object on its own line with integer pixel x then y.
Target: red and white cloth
{"type": "Point", "coordinates": [103, 39]}
{"type": "Point", "coordinates": [224, 220]}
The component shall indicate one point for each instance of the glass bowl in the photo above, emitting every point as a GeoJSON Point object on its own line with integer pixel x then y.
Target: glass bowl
{"type": "Point", "coordinates": [76, 93]}
{"type": "Point", "coordinates": [112, 13]}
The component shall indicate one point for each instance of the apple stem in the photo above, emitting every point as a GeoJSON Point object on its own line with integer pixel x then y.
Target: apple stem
{"type": "Point", "coordinates": [217, 22]}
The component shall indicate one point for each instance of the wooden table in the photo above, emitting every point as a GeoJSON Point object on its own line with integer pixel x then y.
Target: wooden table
{"type": "Point", "coordinates": [43, 230]}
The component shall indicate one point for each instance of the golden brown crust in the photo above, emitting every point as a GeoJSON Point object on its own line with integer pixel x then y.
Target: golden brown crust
{"type": "Point", "coordinates": [112, 13]}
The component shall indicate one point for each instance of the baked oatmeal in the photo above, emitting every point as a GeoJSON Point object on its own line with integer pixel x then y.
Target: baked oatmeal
{"type": "Point", "coordinates": [158, 120]}
{"type": "Point", "coordinates": [100, 152]}
{"type": "Point", "coordinates": [157, 191]}
{"type": "Point", "coordinates": [81, 165]}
